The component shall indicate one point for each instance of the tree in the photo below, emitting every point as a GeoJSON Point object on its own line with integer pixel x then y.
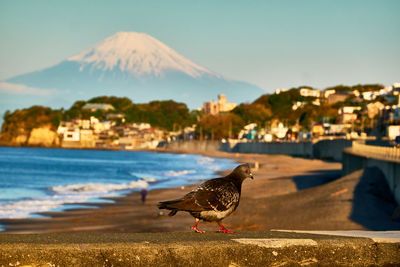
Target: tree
{"type": "Point", "coordinates": [250, 113]}
{"type": "Point", "coordinates": [163, 114]}
{"type": "Point", "coordinates": [221, 125]}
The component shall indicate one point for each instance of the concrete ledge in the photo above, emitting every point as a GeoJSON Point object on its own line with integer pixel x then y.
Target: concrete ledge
{"type": "Point", "coordinates": [190, 249]}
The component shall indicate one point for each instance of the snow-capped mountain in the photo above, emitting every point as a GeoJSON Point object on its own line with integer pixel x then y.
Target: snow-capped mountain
{"type": "Point", "coordinates": [138, 54]}
{"type": "Point", "coordinates": [135, 65]}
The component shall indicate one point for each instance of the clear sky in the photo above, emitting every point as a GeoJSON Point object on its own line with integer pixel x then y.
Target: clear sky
{"type": "Point", "coordinates": [273, 44]}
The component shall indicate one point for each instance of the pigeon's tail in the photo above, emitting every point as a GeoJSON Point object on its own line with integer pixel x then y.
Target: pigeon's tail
{"type": "Point", "coordinates": [169, 205]}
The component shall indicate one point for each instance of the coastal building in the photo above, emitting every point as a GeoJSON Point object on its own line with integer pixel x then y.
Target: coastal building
{"type": "Point", "coordinates": [278, 91]}
{"type": "Point", "coordinates": [317, 129]}
{"type": "Point", "coordinates": [97, 106]}
{"type": "Point", "coordinates": [84, 124]}
{"type": "Point", "coordinates": [338, 128]}
{"type": "Point", "coordinates": [71, 135]}
{"type": "Point", "coordinates": [329, 92]}
{"type": "Point", "coordinates": [337, 97]}
{"type": "Point", "coordinates": [347, 117]}
{"type": "Point", "coordinates": [348, 109]}
{"type": "Point", "coordinates": [309, 92]}
{"type": "Point", "coordinates": [374, 108]}
{"type": "Point", "coordinates": [298, 104]}
{"type": "Point", "coordinates": [141, 125]}
{"type": "Point", "coordinates": [87, 138]}
{"type": "Point", "coordinates": [347, 114]}
{"type": "Point", "coordinates": [316, 102]}
{"type": "Point", "coordinates": [279, 131]}
{"type": "Point", "coordinates": [102, 126]}
{"type": "Point", "coordinates": [370, 95]}
{"type": "Point", "coordinates": [221, 105]}
{"type": "Point", "coordinates": [64, 126]}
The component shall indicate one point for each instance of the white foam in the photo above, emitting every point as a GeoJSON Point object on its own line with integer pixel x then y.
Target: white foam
{"type": "Point", "coordinates": [67, 194]}
{"type": "Point", "coordinates": [97, 188]}
{"type": "Point", "coordinates": [179, 173]}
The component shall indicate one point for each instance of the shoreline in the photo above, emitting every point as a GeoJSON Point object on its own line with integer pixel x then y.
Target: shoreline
{"type": "Point", "coordinates": [138, 218]}
{"type": "Point", "coordinates": [287, 193]}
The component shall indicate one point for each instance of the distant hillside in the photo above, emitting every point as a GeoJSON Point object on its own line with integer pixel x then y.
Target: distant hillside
{"type": "Point", "coordinates": [162, 114]}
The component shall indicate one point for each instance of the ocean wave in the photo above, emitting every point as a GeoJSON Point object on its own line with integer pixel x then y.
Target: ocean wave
{"type": "Point", "coordinates": [98, 188]}
{"type": "Point", "coordinates": [179, 173]}
{"type": "Point", "coordinates": [23, 208]}
{"type": "Point", "coordinates": [66, 194]}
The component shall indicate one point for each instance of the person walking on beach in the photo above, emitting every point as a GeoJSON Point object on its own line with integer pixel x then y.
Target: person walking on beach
{"type": "Point", "coordinates": [143, 193]}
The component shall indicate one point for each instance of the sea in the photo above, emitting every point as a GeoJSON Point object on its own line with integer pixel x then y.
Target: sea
{"type": "Point", "coordinates": [35, 180]}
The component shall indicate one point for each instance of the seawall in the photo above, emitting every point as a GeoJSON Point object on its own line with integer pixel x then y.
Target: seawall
{"type": "Point", "coordinates": [356, 159]}
{"type": "Point", "coordinates": [323, 149]}
{"type": "Point", "coordinates": [267, 248]}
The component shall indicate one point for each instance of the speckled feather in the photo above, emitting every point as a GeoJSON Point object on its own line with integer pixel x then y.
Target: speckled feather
{"type": "Point", "coordinates": [214, 199]}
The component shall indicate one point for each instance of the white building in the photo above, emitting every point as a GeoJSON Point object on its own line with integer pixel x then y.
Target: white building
{"type": "Point", "coordinates": [102, 126]}
{"type": "Point", "coordinates": [370, 95]}
{"type": "Point", "coordinates": [141, 125]}
{"type": "Point", "coordinates": [374, 108]}
{"type": "Point", "coordinates": [97, 106]}
{"type": "Point", "coordinates": [279, 131]}
{"type": "Point", "coordinates": [298, 104]}
{"type": "Point", "coordinates": [348, 109]}
{"type": "Point", "coordinates": [278, 91]}
{"type": "Point", "coordinates": [308, 92]}
{"type": "Point", "coordinates": [329, 92]}
{"type": "Point", "coordinates": [72, 134]}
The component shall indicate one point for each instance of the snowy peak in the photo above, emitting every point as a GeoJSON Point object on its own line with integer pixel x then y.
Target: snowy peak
{"type": "Point", "coordinates": [139, 54]}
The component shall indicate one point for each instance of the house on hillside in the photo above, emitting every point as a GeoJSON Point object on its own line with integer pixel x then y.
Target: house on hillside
{"type": "Point", "coordinates": [329, 92]}
{"type": "Point", "coordinates": [97, 106]}
{"type": "Point", "coordinates": [347, 114]}
{"type": "Point", "coordinates": [317, 129]}
{"type": "Point", "coordinates": [337, 97]}
{"type": "Point", "coordinates": [221, 105]}
{"type": "Point", "coordinates": [373, 109]}
{"type": "Point", "coordinates": [308, 92]}
{"type": "Point", "coordinates": [71, 135]}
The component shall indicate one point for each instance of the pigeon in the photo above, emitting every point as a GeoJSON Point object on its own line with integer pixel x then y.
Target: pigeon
{"type": "Point", "coordinates": [212, 200]}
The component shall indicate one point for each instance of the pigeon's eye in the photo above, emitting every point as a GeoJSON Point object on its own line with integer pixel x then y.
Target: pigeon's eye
{"type": "Point", "coordinates": [246, 171]}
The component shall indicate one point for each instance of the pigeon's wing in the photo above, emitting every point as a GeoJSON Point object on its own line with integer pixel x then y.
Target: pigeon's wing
{"type": "Point", "coordinates": [187, 203]}
{"type": "Point", "coordinates": [216, 194]}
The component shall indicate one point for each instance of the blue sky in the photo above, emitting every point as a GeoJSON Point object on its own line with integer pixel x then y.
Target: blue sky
{"type": "Point", "coordinates": [273, 44]}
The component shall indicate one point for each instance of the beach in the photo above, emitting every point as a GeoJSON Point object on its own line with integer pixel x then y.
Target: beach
{"type": "Point", "coordinates": [286, 193]}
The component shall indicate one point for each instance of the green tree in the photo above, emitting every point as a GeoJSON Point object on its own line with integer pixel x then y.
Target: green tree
{"type": "Point", "coordinates": [250, 113]}
{"type": "Point", "coordinates": [221, 125]}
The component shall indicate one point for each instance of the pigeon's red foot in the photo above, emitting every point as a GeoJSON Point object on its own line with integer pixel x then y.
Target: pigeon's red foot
{"type": "Point", "coordinates": [224, 230]}
{"type": "Point", "coordinates": [197, 229]}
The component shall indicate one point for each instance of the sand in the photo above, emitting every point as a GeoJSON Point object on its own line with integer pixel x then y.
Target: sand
{"type": "Point", "coordinates": [287, 193]}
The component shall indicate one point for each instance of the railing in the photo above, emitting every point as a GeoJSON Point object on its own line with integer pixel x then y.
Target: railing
{"type": "Point", "coordinates": [392, 153]}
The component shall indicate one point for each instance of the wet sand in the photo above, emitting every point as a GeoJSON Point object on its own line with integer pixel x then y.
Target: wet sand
{"type": "Point", "coordinates": [287, 193]}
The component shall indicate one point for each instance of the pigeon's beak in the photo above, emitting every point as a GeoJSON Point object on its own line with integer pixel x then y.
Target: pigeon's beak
{"type": "Point", "coordinates": [251, 175]}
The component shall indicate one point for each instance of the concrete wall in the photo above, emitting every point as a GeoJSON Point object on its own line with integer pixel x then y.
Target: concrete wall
{"type": "Point", "coordinates": [303, 149]}
{"type": "Point", "coordinates": [195, 145]}
{"type": "Point", "coordinates": [330, 149]}
{"type": "Point", "coordinates": [391, 168]}
{"type": "Point", "coordinates": [324, 149]}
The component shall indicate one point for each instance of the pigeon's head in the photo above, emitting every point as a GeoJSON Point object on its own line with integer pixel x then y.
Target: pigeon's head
{"type": "Point", "coordinates": [243, 171]}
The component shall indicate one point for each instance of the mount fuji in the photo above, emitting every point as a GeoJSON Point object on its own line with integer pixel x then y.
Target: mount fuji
{"type": "Point", "coordinates": [129, 64]}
